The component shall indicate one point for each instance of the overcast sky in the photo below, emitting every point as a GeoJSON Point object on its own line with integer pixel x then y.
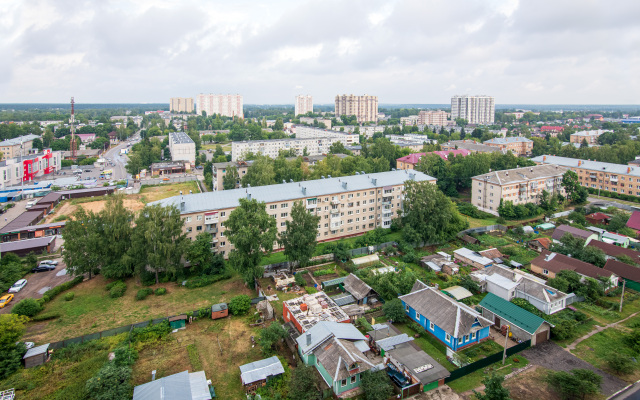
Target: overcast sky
{"type": "Point", "coordinates": [404, 51]}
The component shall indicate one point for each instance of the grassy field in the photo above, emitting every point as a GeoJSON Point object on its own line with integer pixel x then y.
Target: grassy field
{"type": "Point", "coordinates": [151, 193]}
{"type": "Point", "coordinates": [603, 317]}
{"type": "Point", "coordinates": [474, 379]}
{"type": "Point", "coordinates": [92, 310]}
{"type": "Point", "coordinates": [476, 223]}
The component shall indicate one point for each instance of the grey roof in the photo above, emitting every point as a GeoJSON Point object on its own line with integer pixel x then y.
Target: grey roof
{"type": "Point", "coordinates": [260, 370]}
{"type": "Point", "coordinates": [199, 386]}
{"type": "Point", "coordinates": [34, 351]}
{"type": "Point", "coordinates": [180, 137]}
{"type": "Point", "coordinates": [588, 165]}
{"type": "Point", "coordinates": [391, 342]}
{"type": "Point", "coordinates": [338, 355]}
{"type": "Point", "coordinates": [218, 307]}
{"type": "Point", "coordinates": [560, 231]}
{"type": "Point", "coordinates": [508, 140]}
{"type": "Point", "coordinates": [18, 140]}
{"type": "Point", "coordinates": [26, 244]}
{"type": "Point", "coordinates": [472, 146]}
{"type": "Point", "coordinates": [524, 283]}
{"type": "Point", "coordinates": [525, 174]}
{"type": "Point", "coordinates": [454, 318]}
{"type": "Point", "coordinates": [175, 387]}
{"type": "Point", "coordinates": [344, 299]}
{"type": "Point", "coordinates": [291, 191]}
{"type": "Point", "coordinates": [358, 289]}
{"type": "Point", "coordinates": [413, 359]}
{"type": "Point", "coordinates": [324, 330]}
{"type": "Point", "coordinates": [473, 256]}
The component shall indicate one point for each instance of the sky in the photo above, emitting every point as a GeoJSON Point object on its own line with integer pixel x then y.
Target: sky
{"type": "Point", "coordinates": [403, 51]}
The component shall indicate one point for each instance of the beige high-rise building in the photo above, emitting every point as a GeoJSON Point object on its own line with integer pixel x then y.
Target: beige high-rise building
{"type": "Point", "coordinates": [227, 105]}
{"type": "Point", "coordinates": [365, 108]}
{"type": "Point", "coordinates": [304, 104]}
{"type": "Point", "coordinates": [432, 117]}
{"type": "Point", "coordinates": [477, 110]}
{"type": "Point", "coordinates": [181, 104]}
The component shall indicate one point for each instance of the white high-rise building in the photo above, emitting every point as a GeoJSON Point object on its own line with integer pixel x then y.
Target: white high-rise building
{"type": "Point", "coordinates": [227, 105]}
{"type": "Point", "coordinates": [304, 104]}
{"type": "Point", "coordinates": [477, 110]}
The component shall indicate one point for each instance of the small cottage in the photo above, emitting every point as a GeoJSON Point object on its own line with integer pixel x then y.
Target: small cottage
{"type": "Point", "coordinates": [358, 289]}
{"type": "Point", "coordinates": [219, 310]}
{"type": "Point", "coordinates": [36, 356]}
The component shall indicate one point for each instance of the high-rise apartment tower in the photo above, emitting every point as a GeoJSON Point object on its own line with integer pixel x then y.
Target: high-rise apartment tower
{"type": "Point", "coordinates": [304, 104]}
{"type": "Point", "coordinates": [227, 105]}
{"type": "Point", "coordinates": [181, 104]}
{"type": "Point", "coordinates": [477, 110]}
{"type": "Point", "coordinates": [365, 108]}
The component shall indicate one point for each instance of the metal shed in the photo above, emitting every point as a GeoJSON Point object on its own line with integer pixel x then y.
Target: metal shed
{"type": "Point", "coordinates": [36, 356]}
{"type": "Point", "coordinates": [219, 310]}
{"type": "Point", "coordinates": [178, 322]}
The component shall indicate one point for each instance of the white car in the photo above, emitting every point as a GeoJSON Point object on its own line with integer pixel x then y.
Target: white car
{"type": "Point", "coordinates": [49, 262]}
{"type": "Point", "coordinates": [18, 286]}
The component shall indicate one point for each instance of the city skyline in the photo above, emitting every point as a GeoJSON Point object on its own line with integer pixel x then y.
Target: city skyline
{"type": "Point", "coordinates": [138, 52]}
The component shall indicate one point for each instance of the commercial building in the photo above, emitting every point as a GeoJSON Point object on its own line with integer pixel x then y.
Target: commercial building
{"type": "Point", "coordinates": [412, 141]}
{"type": "Point", "coordinates": [432, 117]}
{"type": "Point", "coordinates": [477, 110]}
{"type": "Point", "coordinates": [591, 137]}
{"type": "Point", "coordinates": [470, 145]}
{"type": "Point", "coordinates": [167, 168]}
{"type": "Point", "coordinates": [348, 206]}
{"type": "Point", "coordinates": [181, 104]}
{"type": "Point", "coordinates": [304, 104]}
{"type": "Point", "coordinates": [599, 175]}
{"type": "Point", "coordinates": [16, 147]}
{"type": "Point", "coordinates": [520, 146]}
{"type": "Point", "coordinates": [518, 185]}
{"type": "Point", "coordinates": [308, 132]}
{"type": "Point", "coordinates": [182, 148]}
{"type": "Point", "coordinates": [365, 108]}
{"type": "Point", "coordinates": [272, 148]}
{"type": "Point", "coordinates": [226, 105]}
{"type": "Point", "coordinates": [29, 168]}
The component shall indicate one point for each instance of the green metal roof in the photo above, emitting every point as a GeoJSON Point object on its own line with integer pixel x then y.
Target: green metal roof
{"type": "Point", "coordinates": [333, 282]}
{"type": "Point", "coordinates": [510, 312]}
{"type": "Point", "coordinates": [545, 226]}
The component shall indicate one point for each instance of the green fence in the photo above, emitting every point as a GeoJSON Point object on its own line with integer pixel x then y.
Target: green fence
{"type": "Point", "coordinates": [485, 362]}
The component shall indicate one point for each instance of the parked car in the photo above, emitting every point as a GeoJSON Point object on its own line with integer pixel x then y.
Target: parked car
{"type": "Point", "coordinates": [4, 300]}
{"type": "Point", "coordinates": [165, 179]}
{"type": "Point", "coordinates": [18, 286]}
{"type": "Point", "coordinates": [87, 170]}
{"type": "Point", "coordinates": [43, 268]}
{"type": "Point", "coordinates": [50, 262]}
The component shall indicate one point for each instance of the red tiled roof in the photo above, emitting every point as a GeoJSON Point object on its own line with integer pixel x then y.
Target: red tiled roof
{"type": "Point", "coordinates": [451, 153]}
{"type": "Point", "coordinates": [552, 128]}
{"type": "Point", "coordinates": [634, 221]}
{"type": "Point", "coordinates": [624, 270]}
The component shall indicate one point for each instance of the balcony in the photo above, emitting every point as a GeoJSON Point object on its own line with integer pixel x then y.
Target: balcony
{"type": "Point", "coordinates": [335, 201]}
{"type": "Point", "coordinates": [335, 225]}
{"type": "Point", "coordinates": [311, 205]}
{"type": "Point", "coordinates": [212, 230]}
{"type": "Point", "coordinates": [211, 219]}
{"type": "Point", "coordinates": [614, 179]}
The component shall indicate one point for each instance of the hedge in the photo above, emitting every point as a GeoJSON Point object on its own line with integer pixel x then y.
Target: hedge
{"type": "Point", "coordinates": [205, 280]}
{"type": "Point", "coordinates": [53, 292]}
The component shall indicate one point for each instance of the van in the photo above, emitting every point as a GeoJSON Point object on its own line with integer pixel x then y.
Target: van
{"type": "Point", "coordinates": [30, 204]}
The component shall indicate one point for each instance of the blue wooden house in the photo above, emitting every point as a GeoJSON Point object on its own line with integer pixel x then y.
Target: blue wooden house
{"type": "Point", "coordinates": [455, 324]}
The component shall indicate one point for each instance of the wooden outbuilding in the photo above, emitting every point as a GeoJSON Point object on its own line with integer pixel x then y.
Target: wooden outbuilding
{"type": "Point", "coordinates": [178, 322]}
{"type": "Point", "coordinates": [36, 356]}
{"type": "Point", "coordinates": [219, 310]}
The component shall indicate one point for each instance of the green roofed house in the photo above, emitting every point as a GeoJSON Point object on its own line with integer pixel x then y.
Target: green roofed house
{"type": "Point", "coordinates": [523, 324]}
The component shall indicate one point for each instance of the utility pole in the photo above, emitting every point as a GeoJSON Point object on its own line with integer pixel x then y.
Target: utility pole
{"type": "Point", "coordinates": [624, 283]}
{"type": "Point", "coordinates": [506, 342]}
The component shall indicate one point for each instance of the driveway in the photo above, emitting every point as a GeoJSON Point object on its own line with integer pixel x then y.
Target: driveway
{"type": "Point", "coordinates": [551, 356]}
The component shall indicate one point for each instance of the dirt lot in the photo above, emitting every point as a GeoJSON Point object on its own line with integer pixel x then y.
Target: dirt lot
{"type": "Point", "coordinates": [132, 203]}
{"type": "Point", "coordinates": [37, 282]}
{"type": "Point", "coordinates": [530, 386]}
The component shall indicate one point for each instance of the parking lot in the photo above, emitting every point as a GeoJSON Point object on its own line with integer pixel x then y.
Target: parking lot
{"type": "Point", "coordinates": [38, 283]}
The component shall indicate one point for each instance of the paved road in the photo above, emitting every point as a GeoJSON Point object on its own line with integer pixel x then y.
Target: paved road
{"type": "Point", "coordinates": [630, 393]}
{"type": "Point", "coordinates": [612, 203]}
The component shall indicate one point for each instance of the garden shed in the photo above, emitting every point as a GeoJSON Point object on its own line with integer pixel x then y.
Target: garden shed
{"type": "Point", "coordinates": [457, 292]}
{"type": "Point", "coordinates": [366, 260]}
{"type": "Point", "coordinates": [219, 310]}
{"type": "Point", "coordinates": [36, 356]}
{"type": "Point", "coordinates": [178, 322]}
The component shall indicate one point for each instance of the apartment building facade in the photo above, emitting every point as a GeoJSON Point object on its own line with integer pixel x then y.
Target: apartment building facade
{"type": "Point", "coordinates": [220, 171]}
{"type": "Point", "coordinates": [347, 206]}
{"type": "Point", "coordinates": [182, 148]}
{"type": "Point", "coordinates": [365, 108]}
{"type": "Point", "coordinates": [272, 148]}
{"type": "Point", "coordinates": [470, 145]}
{"type": "Point", "coordinates": [616, 178]}
{"type": "Point", "coordinates": [591, 137]}
{"type": "Point", "coordinates": [520, 146]}
{"type": "Point", "coordinates": [304, 104]}
{"type": "Point", "coordinates": [432, 117]}
{"type": "Point", "coordinates": [309, 132]}
{"type": "Point", "coordinates": [181, 104]}
{"type": "Point", "coordinates": [16, 147]}
{"type": "Point", "coordinates": [477, 110]}
{"type": "Point", "coordinates": [518, 185]}
{"type": "Point", "coordinates": [227, 105]}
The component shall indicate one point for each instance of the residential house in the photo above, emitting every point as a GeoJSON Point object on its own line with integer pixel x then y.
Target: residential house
{"type": "Point", "coordinates": [591, 137]}
{"type": "Point", "coordinates": [598, 218]}
{"type": "Point", "coordinates": [410, 161]}
{"type": "Point", "coordinates": [550, 264]}
{"type": "Point", "coordinates": [509, 283]}
{"type": "Point", "coordinates": [340, 353]}
{"type": "Point", "coordinates": [472, 258]}
{"type": "Point", "coordinates": [358, 289]}
{"type": "Point", "coordinates": [612, 251]}
{"type": "Point", "coordinates": [539, 244]}
{"type": "Point", "coordinates": [629, 273]}
{"type": "Point", "coordinates": [256, 374]}
{"type": "Point", "coordinates": [522, 324]}
{"type": "Point", "coordinates": [634, 221]}
{"type": "Point", "coordinates": [454, 324]}
{"type": "Point", "coordinates": [440, 262]}
{"type": "Point", "coordinates": [184, 385]}
{"type": "Point", "coordinates": [306, 311]}
{"type": "Point", "coordinates": [560, 231]}
{"type": "Point", "coordinates": [610, 237]}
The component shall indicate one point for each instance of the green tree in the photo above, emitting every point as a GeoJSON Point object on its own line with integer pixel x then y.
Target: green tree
{"type": "Point", "coordinates": [230, 179]}
{"type": "Point", "coordinates": [493, 389]}
{"type": "Point", "coordinates": [115, 231]}
{"type": "Point", "coordinates": [252, 232]}
{"type": "Point", "coordinates": [575, 192]}
{"type": "Point", "coordinates": [278, 125]}
{"type": "Point", "coordinates": [576, 384]}
{"type": "Point", "coordinates": [199, 252]}
{"type": "Point", "coordinates": [620, 363]}
{"type": "Point", "coordinates": [376, 385]}
{"type": "Point", "coordinates": [260, 173]}
{"type": "Point", "coordinates": [270, 336]}
{"type": "Point", "coordinates": [83, 242]}
{"type": "Point", "coordinates": [110, 383]}
{"type": "Point", "coordinates": [337, 148]}
{"type": "Point", "coordinates": [12, 327]}
{"type": "Point", "coordinates": [299, 239]}
{"type": "Point", "coordinates": [394, 310]}
{"type": "Point", "coordinates": [431, 215]}
{"type": "Point", "coordinates": [219, 151]}
{"type": "Point", "coordinates": [158, 242]}
{"type": "Point", "coordinates": [304, 384]}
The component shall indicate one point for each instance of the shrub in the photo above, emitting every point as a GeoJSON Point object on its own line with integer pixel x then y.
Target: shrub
{"type": "Point", "coordinates": [160, 291]}
{"type": "Point", "coordinates": [205, 280]}
{"type": "Point", "coordinates": [205, 312]}
{"type": "Point", "coordinates": [45, 317]}
{"type": "Point", "coordinates": [110, 382]}
{"type": "Point", "coordinates": [310, 289]}
{"type": "Point", "coordinates": [52, 293]}
{"type": "Point", "coordinates": [143, 293]}
{"type": "Point", "coordinates": [125, 356]}
{"type": "Point", "coordinates": [28, 307]}
{"type": "Point", "coordinates": [620, 363]}
{"type": "Point", "coordinates": [240, 305]}
{"type": "Point", "coordinates": [69, 296]}
{"type": "Point", "coordinates": [117, 290]}
{"type": "Point", "coordinates": [300, 281]}
{"type": "Point", "coordinates": [111, 285]}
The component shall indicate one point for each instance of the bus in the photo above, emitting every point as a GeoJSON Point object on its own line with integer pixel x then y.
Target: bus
{"type": "Point", "coordinates": [106, 174]}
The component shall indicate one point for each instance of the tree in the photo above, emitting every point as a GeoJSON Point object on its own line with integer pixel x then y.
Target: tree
{"type": "Point", "coordinates": [199, 252]}
{"type": "Point", "coordinates": [376, 385]}
{"type": "Point", "coordinates": [251, 231]}
{"type": "Point", "coordinates": [82, 243]}
{"type": "Point", "coordinates": [260, 173]}
{"type": "Point", "coordinates": [270, 336]}
{"type": "Point", "coordinates": [304, 384]}
{"type": "Point", "coordinates": [110, 383]}
{"type": "Point", "coordinates": [299, 239]}
{"type": "Point", "coordinates": [577, 384]}
{"type": "Point", "coordinates": [618, 221]}
{"type": "Point", "coordinates": [12, 327]}
{"type": "Point", "coordinates": [278, 125]}
{"type": "Point", "coordinates": [575, 192]}
{"type": "Point", "coordinates": [337, 148]}
{"type": "Point", "coordinates": [431, 214]}
{"type": "Point", "coordinates": [115, 231]}
{"type": "Point", "coordinates": [620, 363]}
{"type": "Point", "coordinates": [230, 179]}
{"type": "Point", "coordinates": [158, 242]}
{"type": "Point", "coordinates": [394, 310]}
{"type": "Point", "coordinates": [493, 389]}
{"type": "Point", "coordinates": [240, 305]}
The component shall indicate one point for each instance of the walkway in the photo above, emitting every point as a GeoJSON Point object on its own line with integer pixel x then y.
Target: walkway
{"type": "Point", "coordinates": [597, 329]}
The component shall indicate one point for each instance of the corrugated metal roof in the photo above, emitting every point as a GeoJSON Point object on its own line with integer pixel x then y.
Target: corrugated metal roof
{"type": "Point", "coordinates": [199, 387]}
{"type": "Point", "coordinates": [260, 370]}
{"type": "Point", "coordinates": [219, 307]}
{"type": "Point", "coordinates": [332, 282]}
{"type": "Point", "coordinates": [344, 299]}
{"type": "Point", "coordinates": [473, 256]}
{"type": "Point", "coordinates": [325, 329]}
{"type": "Point", "coordinates": [588, 165]}
{"type": "Point", "coordinates": [26, 244]}
{"type": "Point", "coordinates": [512, 313]}
{"type": "Point", "coordinates": [34, 351]}
{"type": "Point", "coordinates": [458, 292]}
{"type": "Point", "coordinates": [174, 387]}
{"type": "Point", "coordinates": [390, 342]}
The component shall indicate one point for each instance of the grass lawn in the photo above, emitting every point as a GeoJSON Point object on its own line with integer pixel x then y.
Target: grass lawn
{"type": "Point", "coordinates": [476, 223]}
{"type": "Point", "coordinates": [429, 345]}
{"type": "Point", "coordinates": [474, 379]}
{"type": "Point", "coordinates": [581, 330]}
{"type": "Point", "coordinates": [603, 316]}
{"type": "Point", "coordinates": [92, 310]}
{"type": "Point", "coordinates": [494, 241]}
{"type": "Point", "coordinates": [481, 350]}
{"type": "Point", "coordinates": [151, 193]}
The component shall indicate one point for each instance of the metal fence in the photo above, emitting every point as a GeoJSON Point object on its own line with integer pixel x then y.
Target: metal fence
{"type": "Point", "coordinates": [485, 362]}
{"type": "Point", "coordinates": [483, 229]}
{"type": "Point", "coordinates": [370, 249]}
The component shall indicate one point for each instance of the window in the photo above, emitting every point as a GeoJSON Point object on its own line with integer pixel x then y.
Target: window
{"type": "Point", "coordinates": [545, 271]}
{"type": "Point", "coordinates": [199, 227]}
{"type": "Point", "coordinates": [283, 224]}
{"type": "Point", "coordinates": [199, 217]}
{"type": "Point", "coordinates": [223, 213]}
{"type": "Point", "coordinates": [473, 335]}
{"type": "Point", "coordinates": [273, 206]}
{"type": "Point", "coordinates": [466, 338]}
{"type": "Point", "coordinates": [406, 308]}
{"type": "Point", "coordinates": [284, 205]}
{"type": "Point", "coordinates": [284, 215]}
{"type": "Point", "coordinates": [344, 383]}
{"type": "Point", "coordinates": [431, 325]}
{"type": "Point", "coordinates": [447, 337]}
{"type": "Point", "coordinates": [189, 229]}
{"type": "Point", "coordinates": [188, 219]}
{"type": "Point", "coordinates": [353, 379]}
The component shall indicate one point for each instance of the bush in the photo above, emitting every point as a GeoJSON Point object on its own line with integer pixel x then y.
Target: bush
{"type": "Point", "coordinates": [620, 363]}
{"type": "Point", "coordinates": [117, 290]}
{"type": "Point", "coordinates": [11, 359]}
{"type": "Point", "coordinates": [310, 289]}
{"type": "Point", "coordinates": [111, 382]}
{"type": "Point", "coordinates": [111, 285]}
{"type": "Point", "coordinates": [300, 281]}
{"type": "Point", "coordinates": [205, 280]}
{"type": "Point", "coordinates": [52, 293]}
{"type": "Point", "coordinates": [143, 293]}
{"type": "Point", "coordinates": [28, 307]}
{"type": "Point", "coordinates": [160, 291]}
{"type": "Point", "coordinates": [45, 317]}
{"type": "Point", "coordinates": [125, 356]}
{"type": "Point", "coordinates": [240, 305]}
{"type": "Point", "coordinates": [69, 296]}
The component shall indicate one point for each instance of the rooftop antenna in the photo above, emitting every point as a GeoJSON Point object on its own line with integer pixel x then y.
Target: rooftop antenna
{"type": "Point", "coordinates": [73, 145]}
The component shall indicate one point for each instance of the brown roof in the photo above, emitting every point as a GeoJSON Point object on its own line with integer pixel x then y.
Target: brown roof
{"type": "Point", "coordinates": [562, 229]}
{"type": "Point", "coordinates": [598, 216]}
{"type": "Point", "coordinates": [556, 262]}
{"type": "Point", "coordinates": [336, 355]}
{"type": "Point", "coordinates": [470, 239]}
{"type": "Point", "coordinates": [615, 251]}
{"type": "Point", "coordinates": [624, 270]}
{"type": "Point", "coordinates": [544, 242]}
{"type": "Point", "coordinates": [358, 289]}
{"type": "Point", "coordinates": [491, 253]}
